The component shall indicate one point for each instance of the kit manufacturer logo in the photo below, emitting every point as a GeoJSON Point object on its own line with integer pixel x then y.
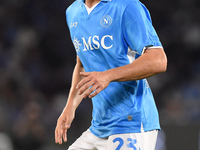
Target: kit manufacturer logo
{"type": "Point", "coordinates": [73, 25]}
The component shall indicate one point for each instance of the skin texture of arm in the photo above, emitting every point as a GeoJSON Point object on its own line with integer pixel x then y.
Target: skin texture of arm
{"type": "Point", "coordinates": [74, 99]}
{"type": "Point", "coordinates": [152, 62]}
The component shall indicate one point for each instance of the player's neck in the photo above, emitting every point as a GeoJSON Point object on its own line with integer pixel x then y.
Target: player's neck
{"type": "Point", "coordinates": [91, 3]}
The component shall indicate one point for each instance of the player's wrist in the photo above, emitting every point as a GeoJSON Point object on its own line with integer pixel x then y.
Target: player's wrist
{"type": "Point", "coordinates": [107, 76]}
{"type": "Point", "coordinates": [69, 109]}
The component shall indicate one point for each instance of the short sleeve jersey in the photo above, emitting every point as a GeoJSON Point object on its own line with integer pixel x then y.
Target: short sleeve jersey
{"type": "Point", "coordinates": [114, 34]}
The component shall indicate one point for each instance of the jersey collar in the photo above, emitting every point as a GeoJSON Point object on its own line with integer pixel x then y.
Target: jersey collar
{"type": "Point", "coordinates": [101, 1]}
{"type": "Point", "coordinates": [106, 0]}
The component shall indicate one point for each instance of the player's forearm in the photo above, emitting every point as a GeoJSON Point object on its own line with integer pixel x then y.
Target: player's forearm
{"type": "Point", "coordinates": [74, 98]}
{"type": "Point", "coordinates": [152, 62]}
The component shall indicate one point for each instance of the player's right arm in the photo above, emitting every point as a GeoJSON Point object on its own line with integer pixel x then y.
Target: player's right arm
{"type": "Point", "coordinates": [68, 113]}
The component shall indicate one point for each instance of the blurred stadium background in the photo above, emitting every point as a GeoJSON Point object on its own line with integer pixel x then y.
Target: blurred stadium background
{"type": "Point", "coordinates": [37, 59]}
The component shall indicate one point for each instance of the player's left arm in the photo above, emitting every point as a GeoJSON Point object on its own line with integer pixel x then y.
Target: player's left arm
{"type": "Point", "coordinates": [152, 62]}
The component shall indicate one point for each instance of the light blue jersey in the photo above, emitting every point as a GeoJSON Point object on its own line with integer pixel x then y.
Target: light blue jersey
{"type": "Point", "coordinates": [114, 34]}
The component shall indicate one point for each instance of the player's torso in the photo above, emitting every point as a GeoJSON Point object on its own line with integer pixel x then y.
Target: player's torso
{"type": "Point", "coordinates": [100, 44]}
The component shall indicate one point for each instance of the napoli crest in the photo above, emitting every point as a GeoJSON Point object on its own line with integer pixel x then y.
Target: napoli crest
{"type": "Point", "coordinates": [106, 21]}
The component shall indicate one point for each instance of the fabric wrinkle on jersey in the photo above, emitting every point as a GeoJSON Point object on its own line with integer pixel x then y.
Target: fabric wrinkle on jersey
{"type": "Point", "coordinates": [113, 35]}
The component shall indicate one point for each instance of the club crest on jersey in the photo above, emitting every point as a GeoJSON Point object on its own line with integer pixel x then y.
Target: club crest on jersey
{"type": "Point", "coordinates": [106, 21]}
{"type": "Point", "coordinates": [77, 44]}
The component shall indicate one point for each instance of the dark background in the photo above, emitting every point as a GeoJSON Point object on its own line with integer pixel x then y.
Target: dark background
{"type": "Point", "coordinates": [37, 59]}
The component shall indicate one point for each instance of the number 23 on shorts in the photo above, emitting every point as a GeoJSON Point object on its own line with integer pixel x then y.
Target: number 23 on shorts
{"type": "Point", "coordinates": [125, 144]}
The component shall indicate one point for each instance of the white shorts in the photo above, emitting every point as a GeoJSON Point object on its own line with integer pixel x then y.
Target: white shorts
{"type": "Point", "coordinates": [129, 141]}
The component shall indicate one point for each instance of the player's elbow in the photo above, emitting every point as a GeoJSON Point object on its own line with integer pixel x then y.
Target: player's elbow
{"type": "Point", "coordinates": [157, 59]}
{"type": "Point", "coordinates": [161, 64]}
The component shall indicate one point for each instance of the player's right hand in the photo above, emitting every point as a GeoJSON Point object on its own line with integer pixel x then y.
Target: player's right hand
{"type": "Point", "coordinates": [63, 124]}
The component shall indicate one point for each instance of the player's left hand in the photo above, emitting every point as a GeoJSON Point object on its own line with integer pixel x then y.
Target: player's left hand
{"type": "Point", "coordinates": [92, 84]}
